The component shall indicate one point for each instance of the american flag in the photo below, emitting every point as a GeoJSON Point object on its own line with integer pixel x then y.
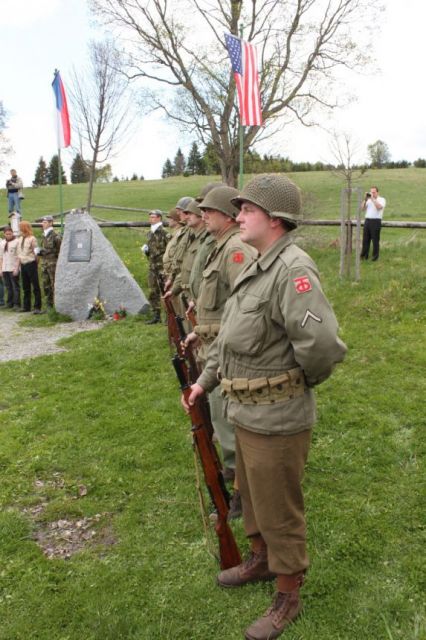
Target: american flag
{"type": "Point", "coordinates": [244, 64]}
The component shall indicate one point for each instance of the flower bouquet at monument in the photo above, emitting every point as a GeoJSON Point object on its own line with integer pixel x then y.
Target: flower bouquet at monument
{"type": "Point", "coordinates": [119, 313]}
{"type": "Point", "coordinates": [97, 310]}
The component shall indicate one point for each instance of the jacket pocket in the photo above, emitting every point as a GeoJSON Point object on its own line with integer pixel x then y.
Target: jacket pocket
{"type": "Point", "coordinates": [210, 289]}
{"type": "Point", "coordinates": [248, 332]}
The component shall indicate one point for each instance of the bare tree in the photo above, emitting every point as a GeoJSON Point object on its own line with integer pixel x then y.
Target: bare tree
{"type": "Point", "coordinates": [102, 111]}
{"type": "Point", "coordinates": [5, 147]}
{"type": "Point", "coordinates": [180, 46]}
{"type": "Point", "coordinates": [344, 151]}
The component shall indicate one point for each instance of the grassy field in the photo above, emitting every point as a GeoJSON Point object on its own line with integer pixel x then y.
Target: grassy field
{"type": "Point", "coordinates": [96, 436]}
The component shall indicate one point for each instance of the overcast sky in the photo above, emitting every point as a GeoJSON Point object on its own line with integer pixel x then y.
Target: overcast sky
{"type": "Point", "coordinates": [38, 36]}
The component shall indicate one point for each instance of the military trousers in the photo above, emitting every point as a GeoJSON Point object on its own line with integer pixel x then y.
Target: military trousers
{"type": "Point", "coordinates": [48, 270]}
{"type": "Point", "coordinates": [224, 430]}
{"type": "Point", "coordinates": [269, 473]}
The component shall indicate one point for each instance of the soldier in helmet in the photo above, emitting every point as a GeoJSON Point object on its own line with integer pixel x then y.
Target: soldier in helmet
{"type": "Point", "coordinates": [228, 257]}
{"type": "Point", "coordinates": [278, 340]}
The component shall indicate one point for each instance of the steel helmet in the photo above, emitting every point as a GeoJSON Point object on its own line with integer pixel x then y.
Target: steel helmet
{"type": "Point", "coordinates": [192, 207]}
{"type": "Point", "coordinates": [219, 199]}
{"type": "Point", "coordinates": [208, 187]}
{"type": "Point", "coordinates": [183, 202]}
{"type": "Point", "coordinates": [274, 193]}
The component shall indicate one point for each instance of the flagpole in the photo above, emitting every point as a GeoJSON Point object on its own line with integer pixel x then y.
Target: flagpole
{"type": "Point", "coordinates": [241, 176]}
{"type": "Point", "coordinates": [61, 204]}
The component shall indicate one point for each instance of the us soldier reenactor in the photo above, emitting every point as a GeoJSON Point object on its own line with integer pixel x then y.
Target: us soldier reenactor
{"type": "Point", "coordinates": [197, 234]}
{"type": "Point", "coordinates": [278, 339]}
{"type": "Point", "coordinates": [228, 257]}
{"type": "Point", "coordinates": [49, 251]}
{"type": "Point", "coordinates": [175, 226]}
{"type": "Point", "coordinates": [154, 250]}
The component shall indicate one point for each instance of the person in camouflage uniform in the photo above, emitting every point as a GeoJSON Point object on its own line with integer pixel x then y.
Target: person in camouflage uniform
{"type": "Point", "coordinates": [277, 340]}
{"type": "Point", "coordinates": [49, 251]}
{"type": "Point", "coordinates": [154, 250]}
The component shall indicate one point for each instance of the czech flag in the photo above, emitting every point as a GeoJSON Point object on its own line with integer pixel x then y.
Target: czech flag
{"type": "Point", "coordinates": [62, 118]}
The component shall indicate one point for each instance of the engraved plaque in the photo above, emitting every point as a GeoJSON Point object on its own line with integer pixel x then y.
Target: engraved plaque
{"type": "Point", "coordinates": [80, 246]}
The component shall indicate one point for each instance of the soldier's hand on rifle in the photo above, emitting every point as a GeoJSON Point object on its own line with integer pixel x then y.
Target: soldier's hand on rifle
{"type": "Point", "coordinates": [168, 284]}
{"type": "Point", "coordinates": [190, 307]}
{"type": "Point", "coordinates": [168, 294]}
{"type": "Point", "coordinates": [191, 339]}
{"type": "Point", "coordinates": [196, 391]}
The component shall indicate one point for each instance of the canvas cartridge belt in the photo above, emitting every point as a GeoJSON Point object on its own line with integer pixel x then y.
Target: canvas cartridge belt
{"type": "Point", "coordinates": [207, 332]}
{"type": "Point", "coordinates": [281, 388]}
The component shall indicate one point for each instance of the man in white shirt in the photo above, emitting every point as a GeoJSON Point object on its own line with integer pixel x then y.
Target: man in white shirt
{"type": "Point", "coordinates": [373, 205]}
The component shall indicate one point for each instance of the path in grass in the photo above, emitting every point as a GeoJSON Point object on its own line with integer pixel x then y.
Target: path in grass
{"type": "Point", "coordinates": [19, 342]}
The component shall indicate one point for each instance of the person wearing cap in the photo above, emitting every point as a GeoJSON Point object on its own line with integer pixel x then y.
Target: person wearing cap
{"type": "Point", "coordinates": [229, 255]}
{"type": "Point", "coordinates": [49, 251]}
{"type": "Point", "coordinates": [277, 341]}
{"type": "Point", "coordinates": [154, 250]}
{"type": "Point", "coordinates": [182, 239]}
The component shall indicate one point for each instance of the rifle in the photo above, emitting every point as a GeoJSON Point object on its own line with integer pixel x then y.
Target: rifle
{"type": "Point", "coordinates": [177, 333]}
{"type": "Point", "coordinates": [190, 313]}
{"type": "Point", "coordinates": [202, 430]}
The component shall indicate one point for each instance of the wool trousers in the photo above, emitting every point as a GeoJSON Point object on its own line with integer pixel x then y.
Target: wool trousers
{"type": "Point", "coordinates": [269, 473]}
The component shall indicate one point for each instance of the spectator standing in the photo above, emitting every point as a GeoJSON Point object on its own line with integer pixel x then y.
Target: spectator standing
{"type": "Point", "coordinates": [50, 247]}
{"type": "Point", "coordinates": [27, 255]}
{"type": "Point", "coordinates": [374, 206]}
{"type": "Point", "coordinates": [10, 268]}
{"type": "Point", "coordinates": [14, 188]}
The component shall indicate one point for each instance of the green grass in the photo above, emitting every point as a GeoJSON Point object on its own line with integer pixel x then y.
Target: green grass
{"type": "Point", "coordinates": [404, 189]}
{"type": "Point", "coordinates": [106, 415]}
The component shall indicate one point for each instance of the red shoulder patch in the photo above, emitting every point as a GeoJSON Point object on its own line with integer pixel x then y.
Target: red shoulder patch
{"type": "Point", "coordinates": [238, 256]}
{"type": "Point", "coordinates": [302, 284]}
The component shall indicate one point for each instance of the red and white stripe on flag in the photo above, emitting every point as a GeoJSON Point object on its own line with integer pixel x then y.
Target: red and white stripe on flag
{"type": "Point", "coordinates": [63, 128]}
{"type": "Point", "coordinates": [244, 63]}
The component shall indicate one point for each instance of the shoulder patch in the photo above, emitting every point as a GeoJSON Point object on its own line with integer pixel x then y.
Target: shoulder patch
{"type": "Point", "coordinates": [302, 284]}
{"type": "Point", "coordinates": [238, 256]}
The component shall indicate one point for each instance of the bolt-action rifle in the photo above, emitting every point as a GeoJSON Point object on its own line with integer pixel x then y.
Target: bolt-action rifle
{"type": "Point", "coordinates": [202, 431]}
{"type": "Point", "coordinates": [190, 313]}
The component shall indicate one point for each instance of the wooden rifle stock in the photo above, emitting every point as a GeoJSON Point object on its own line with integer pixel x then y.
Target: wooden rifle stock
{"type": "Point", "coordinates": [210, 462]}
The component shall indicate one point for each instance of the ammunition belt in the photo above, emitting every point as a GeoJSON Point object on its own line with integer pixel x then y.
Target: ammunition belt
{"type": "Point", "coordinates": [281, 388]}
{"type": "Point", "coordinates": [207, 332]}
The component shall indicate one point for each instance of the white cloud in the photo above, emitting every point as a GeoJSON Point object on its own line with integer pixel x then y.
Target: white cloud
{"type": "Point", "coordinates": [23, 13]}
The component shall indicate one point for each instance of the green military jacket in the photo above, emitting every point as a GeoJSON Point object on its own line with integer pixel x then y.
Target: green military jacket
{"type": "Point", "coordinates": [170, 252]}
{"type": "Point", "coordinates": [195, 240]}
{"type": "Point", "coordinates": [157, 242]}
{"type": "Point", "coordinates": [227, 259]}
{"type": "Point", "coordinates": [50, 247]}
{"type": "Point", "coordinates": [278, 339]}
{"type": "Point", "coordinates": [198, 267]}
{"type": "Point", "coordinates": [183, 238]}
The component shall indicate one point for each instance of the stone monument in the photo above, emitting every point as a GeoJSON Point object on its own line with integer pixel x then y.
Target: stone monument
{"type": "Point", "coordinates": [88, 268]}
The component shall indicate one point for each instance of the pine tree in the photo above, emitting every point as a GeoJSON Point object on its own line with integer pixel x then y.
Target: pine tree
{"type": "Point", "coordinates": [134, 177]}
{"type": "Point", "coordinates": [167, 169]}
{"type": "Point", "coordinates": [53, 172]}
{"type": "Point", "coordinates": [179, 163]}
{"type": "Point", "coordinates": [211, 160]}
{"type": "Point", "coordinates": [195, 164]}
{"type": "Point", "coordinates": [40, 177]}
{"type": "Point", "coordinates": [79, 170]}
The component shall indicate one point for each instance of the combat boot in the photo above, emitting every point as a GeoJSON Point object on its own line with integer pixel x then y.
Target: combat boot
{"type": "Point", "coordinates": [254, 569]}
{"type": "Point", "coordinates": [156, 318]}
{"type": "Point", "coordinates": [285, 608]}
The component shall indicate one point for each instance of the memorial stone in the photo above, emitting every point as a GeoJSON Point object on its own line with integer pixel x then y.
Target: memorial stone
{"type": "Point", "coordinates": [88, 268]}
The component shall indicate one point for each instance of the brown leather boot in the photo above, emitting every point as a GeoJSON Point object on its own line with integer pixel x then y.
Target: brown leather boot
{"type": "Point", "coordinates": [254, 569]}
{"type": "Point", "coordinates": [285, 608]}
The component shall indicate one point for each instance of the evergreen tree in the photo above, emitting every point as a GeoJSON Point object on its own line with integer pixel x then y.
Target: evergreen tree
{"type": "Point", "coordinates": [179, 163]}
{"type": "Point", "coordinates": [40, 177]}
{"type": "Point", "coordinates": [53, 171]}
{"type": "Point", "coordinates": [211, 161]}
{"type": "Point", "coordinates": [167, 169]}
{"type": "Point", "coordinates": [134, 177]}
{"type": "Point", "coordinates": [195, 164]}
{"type": "Point", "coordinates": [79, 170]}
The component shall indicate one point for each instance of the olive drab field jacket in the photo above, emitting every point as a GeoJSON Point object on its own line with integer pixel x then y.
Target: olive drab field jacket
{"type": "Point", "coordinates": [278, 339]}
